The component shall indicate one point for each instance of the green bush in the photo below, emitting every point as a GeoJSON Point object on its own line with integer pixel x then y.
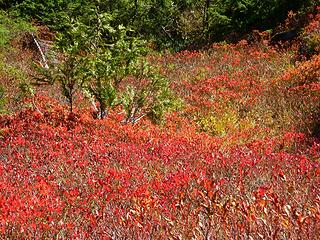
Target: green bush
{"type": "Point", "coordinates": [12, 27]}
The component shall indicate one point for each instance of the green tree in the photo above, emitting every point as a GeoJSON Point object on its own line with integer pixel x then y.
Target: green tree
{"type": "Point", "coordinates": [119, 74]}
{"type": "Point", "coordinates": [111, 54]}
{"type": "Point", "coordinates": [67, 70]}
{"type": "Point", "coordinates": [101, 60]}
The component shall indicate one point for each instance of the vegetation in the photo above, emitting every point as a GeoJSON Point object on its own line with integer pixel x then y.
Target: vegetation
{"type": "Point", "coordinates": [2, 99]}
{"type": "Point", "coordinates": [174, 23]}
{"type": "Point", "coordinates": [102, 136]}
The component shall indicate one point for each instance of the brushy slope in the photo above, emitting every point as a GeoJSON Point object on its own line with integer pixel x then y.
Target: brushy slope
{"type": "Point", "coordinates": [240, 160]}
{"type": "Point", "coordinates": [68, 177]}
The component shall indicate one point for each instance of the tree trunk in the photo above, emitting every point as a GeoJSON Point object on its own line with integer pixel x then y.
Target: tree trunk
{"type": "Point", "coordinates": [103, 109]}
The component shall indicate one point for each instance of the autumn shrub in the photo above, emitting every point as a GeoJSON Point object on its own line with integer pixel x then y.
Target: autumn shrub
{"type": "Point", "coordinates": [225, 91]}
{"type": "Point", "coordinates": [249, 87]}
{"type": "Point", "coordinates": [148, 182]}
{"type": "Point", "coordinates": [236, 162]}
{"type": "Point", "coordinates": [292, 100]}
{"type": "Point", "coordinates": [310, 44]}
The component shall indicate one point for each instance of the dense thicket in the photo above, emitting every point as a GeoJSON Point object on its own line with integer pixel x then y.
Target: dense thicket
{"type": "Point", "coordinates": [173, 23]}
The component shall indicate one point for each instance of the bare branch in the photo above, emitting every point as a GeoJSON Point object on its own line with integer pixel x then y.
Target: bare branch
{"type": "Point", "coordinates": [41, 52]}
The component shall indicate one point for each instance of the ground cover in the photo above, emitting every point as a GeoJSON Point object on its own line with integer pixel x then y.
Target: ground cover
{"type": "Point", "coordinates": [239, 159]}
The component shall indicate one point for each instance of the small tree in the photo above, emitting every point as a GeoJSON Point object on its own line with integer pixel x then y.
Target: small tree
{"type": "Point", "coordinates": [68, 70]}
{"type": "Point", "coordinates": [119, 74]}
{"type": "Point", "coordinates": [111, 57]}
{"type": "Point", "coordinates": [97, 58]}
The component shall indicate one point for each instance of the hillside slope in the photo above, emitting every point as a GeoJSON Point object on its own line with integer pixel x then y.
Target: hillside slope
{"type": "Point", "coordinates": [238, 158]}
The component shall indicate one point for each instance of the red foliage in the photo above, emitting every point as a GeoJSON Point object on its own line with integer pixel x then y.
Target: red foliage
{"type": "Point", "coordinates": [78, 178]}
{"type": "Point", "coordinates": [72, 177]}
